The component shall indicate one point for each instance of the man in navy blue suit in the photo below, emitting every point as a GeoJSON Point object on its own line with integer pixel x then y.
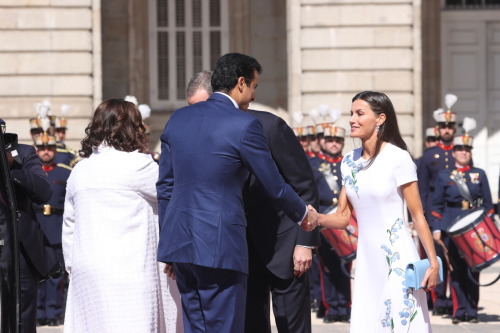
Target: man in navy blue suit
{"type": "Point", "coordinates": [208, 150]}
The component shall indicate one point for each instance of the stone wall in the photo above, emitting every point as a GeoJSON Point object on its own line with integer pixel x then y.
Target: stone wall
{"type": "Point", "coordinates": [344, 47]}
{"type": "Point", "coordinates": [49, 49]}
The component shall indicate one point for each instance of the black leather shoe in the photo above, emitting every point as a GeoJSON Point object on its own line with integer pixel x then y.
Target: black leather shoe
{"type": "Point", "coordinates": [344, 319]}
{"type": "Point", "coordinates": [329, 318]}
{"type": "Point", "coordinates": [314, 306]}
{"type": "Point", "coordinates": [438, 311]}
{"type": "Point", "coordinates": [457, 320]}
{"type": "Point", "coordinates": [472, 319]}
{"type": "Point", "coordinates": [41, 322]}
{"type": "Point", "coordinates": [53, 322]}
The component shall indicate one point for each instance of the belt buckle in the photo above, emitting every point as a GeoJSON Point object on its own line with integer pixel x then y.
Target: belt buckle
{"type": "Point", "coordinates": [465, 205]}
{"type": "Point", "coordinates": [47, 210]}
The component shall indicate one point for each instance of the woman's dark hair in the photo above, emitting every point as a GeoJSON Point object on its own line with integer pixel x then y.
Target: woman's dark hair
{"type": "Point", "coordinates": [119, 124]}
{"type": "Point", "coordinates": [232, 66]}
{"type": "Point", "coordinates": [389, 130]}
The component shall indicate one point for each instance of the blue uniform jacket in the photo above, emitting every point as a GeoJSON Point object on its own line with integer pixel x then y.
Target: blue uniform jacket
{"type": "Point", "coordinates": [325, 193]}
{"type": "Point", "coordinates": [208, 150]}
{"type": "Point", "coordinates": [65, 155]}
{"type": "Point", "coordinates": [433, 160]}
{"type": "Point", "coordinates": [52, 224]}
{"type": "Point", "coordinates": [447, 198]}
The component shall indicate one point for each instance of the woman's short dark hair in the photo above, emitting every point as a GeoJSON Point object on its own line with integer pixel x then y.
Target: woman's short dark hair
{"type": "Point", "coordinates": [232, 66]}
{"type": "Point", "coordinates": [118, 123]}
{"type": "Point", "coordinates": [389, 130]}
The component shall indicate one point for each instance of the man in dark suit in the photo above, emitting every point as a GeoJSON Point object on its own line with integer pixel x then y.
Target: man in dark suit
{"type": "Point", "coordinates": [208, 150]}
{"type": "Point", "coordinates": [37, 259]}
{"type": "Point", "coordinates": [280, 257]}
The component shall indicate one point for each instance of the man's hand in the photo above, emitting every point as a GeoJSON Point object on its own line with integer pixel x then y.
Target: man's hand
{"type": "Point", "coordinates": [169, 270]}
{"type": "Point", "coordinates": [302, 260]}
{"type": "Point", "coordinates": [311, 220]}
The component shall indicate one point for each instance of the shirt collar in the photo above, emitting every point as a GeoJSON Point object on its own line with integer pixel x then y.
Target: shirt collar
{"type": "Point", "coordinates": [230, 98]}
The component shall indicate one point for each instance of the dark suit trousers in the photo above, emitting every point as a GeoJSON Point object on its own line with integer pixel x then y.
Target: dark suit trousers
{"type": "Point", "coordinates": [213, 300]}
{"type": "Point", "coordinates": [291, 300]}
{"type": "Point", "coordinates": [29, 290]}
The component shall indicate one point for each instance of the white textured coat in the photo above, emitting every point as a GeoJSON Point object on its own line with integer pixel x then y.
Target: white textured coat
{"type": "Point", "coordinates": [110, 237]}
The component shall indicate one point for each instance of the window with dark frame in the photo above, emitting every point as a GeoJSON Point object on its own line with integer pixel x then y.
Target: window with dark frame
{"type": "Point", "coordinates": [187, 36]}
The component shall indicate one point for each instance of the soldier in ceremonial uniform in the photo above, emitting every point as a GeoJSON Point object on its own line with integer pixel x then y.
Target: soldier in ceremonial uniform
{"type": "Point", "coordinates": [431, 137]}
{"type": "Point", "coordinates": [50, 216]}
{"type": "Point", "coordinates": [336, 285]}
{"type": "Point", "coordinates": [431, 140]}
{"type": "Point", "coordinates": [65, 155]}
{"type": "Point", "coordinates": [434, 160]}
{"type": "Point", "coordinates": [449, 202]}
{"type": "Point", "coordinates": [325, 197]}
{"type": "Point", "coordinates": [55, 126]}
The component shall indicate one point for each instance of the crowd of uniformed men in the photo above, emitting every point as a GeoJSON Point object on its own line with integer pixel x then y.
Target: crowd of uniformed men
{"type": "Point", "coordinates": [447, 156]}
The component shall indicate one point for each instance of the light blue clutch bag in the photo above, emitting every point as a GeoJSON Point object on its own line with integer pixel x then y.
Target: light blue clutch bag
{"type": "Point", "coordinates": [415, 273]}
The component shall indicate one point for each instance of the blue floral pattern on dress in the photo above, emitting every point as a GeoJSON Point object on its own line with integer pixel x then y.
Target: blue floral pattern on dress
{"type": "Point", "coordinates": [394, 229]}
{"type": "Point", "coordinates": [408, 312]}
{"type": "Point", "coordinates": [388, 321]}
{"type": "Point", "coordinates": [390, 258]}
{"type": "Point", "coordinates": [355, 168]}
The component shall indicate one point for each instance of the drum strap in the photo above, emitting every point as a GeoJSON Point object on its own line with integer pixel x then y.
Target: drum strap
{"type": "Point", "coordinates": [458, 178]}
{"type": "Point", "coordinates": [471, 277]}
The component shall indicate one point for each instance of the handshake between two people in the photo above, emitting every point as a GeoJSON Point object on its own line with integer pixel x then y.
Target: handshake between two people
{"type": "Point", "coordinates": [310, 221]}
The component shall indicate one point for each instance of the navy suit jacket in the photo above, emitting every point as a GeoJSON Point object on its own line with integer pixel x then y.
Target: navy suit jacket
{"type": "Point", "coordinates": [208, 150]}
{"type": "Point", "coordinates": [273, 234]}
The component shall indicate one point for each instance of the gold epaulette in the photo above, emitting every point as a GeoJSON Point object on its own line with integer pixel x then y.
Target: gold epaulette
{"type": "Point", "coordinates": [62, 150]}
{"type": "Point", "coordinates": [62, 165]}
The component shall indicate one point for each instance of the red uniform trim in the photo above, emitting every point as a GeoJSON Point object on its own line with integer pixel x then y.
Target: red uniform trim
{"type": "Point", "coordinates": [436, 214]}
{"type": "Point", "coordinates": [310, 154]}
{"type": "Point", "coordinates": [333, 160]}
{"type": "Point", "coordinates": [444, 147]}
{"type": "Point", "coordinates": [48, 168]}
{"type": "Point", "coordinates": [464, 169]}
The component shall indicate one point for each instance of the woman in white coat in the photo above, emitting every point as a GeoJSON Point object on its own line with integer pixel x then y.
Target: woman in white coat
{"type": "Point", "coordinates": [110, 232]}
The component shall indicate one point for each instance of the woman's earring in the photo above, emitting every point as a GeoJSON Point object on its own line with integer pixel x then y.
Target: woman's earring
{"type": "Point", "coordinates": [377, 128]}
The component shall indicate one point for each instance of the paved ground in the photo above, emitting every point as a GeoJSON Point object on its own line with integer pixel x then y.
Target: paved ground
{"type": "Point", "coordinates": [489, 313]}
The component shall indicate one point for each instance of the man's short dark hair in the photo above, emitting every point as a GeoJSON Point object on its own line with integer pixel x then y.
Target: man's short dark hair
{"type": "Point", "coordinates": [232, 66]}
{"type": "Point", "coordinates": [200, 80]}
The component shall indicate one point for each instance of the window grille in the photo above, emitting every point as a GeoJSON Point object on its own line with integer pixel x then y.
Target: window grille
{"type": "Point", "coordinates": [472, 4]}
{"type": "Point", "coordinates": [186, 36]}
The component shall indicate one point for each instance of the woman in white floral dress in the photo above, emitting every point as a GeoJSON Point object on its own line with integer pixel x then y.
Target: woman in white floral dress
{"type": "Point", "coordinates": [377, 179]}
